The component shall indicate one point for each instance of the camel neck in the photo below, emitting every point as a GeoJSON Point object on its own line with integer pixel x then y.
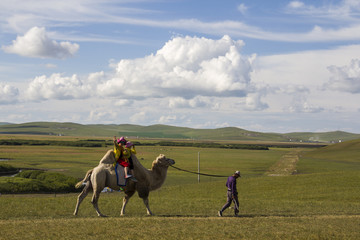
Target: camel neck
{"type": "Point", "coordinates": [159, 176]}
{"type": "Point", "coordinates": [156, 175]}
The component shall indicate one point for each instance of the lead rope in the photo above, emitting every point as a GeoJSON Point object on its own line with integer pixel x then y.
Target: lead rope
{"type": "Point", "coordinates": [204, 174]}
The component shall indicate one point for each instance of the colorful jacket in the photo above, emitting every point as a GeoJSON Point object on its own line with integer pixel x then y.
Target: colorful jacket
{"type": "Point", "coordinates": [122, 153]}
{"type": "Point", "coordinates": [128, 151]}
{"type": "Point", "coordinates": [118, 151]}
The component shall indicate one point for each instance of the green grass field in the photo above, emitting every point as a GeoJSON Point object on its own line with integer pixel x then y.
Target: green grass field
{"type": "Point", "coordinates": [321, 202]}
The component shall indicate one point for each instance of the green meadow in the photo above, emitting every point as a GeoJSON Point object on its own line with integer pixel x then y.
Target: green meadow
{"type": "Point", "coordinates": [320, 201]}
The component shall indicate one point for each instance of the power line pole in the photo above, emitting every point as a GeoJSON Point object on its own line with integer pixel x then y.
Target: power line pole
{"type": "Point", "coordinates": [198, 167]}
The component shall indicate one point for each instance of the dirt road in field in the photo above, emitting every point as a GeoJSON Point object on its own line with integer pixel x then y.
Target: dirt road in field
{"type": "Point", "coordinates": [286, 165]}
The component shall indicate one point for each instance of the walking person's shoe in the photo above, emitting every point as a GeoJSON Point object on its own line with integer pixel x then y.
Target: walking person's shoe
{"type": "Point", "coordinates": [220, 213]}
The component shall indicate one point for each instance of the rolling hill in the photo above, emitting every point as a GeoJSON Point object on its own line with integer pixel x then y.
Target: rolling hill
{"type": "Point", "coordinates": [339, 157]}
{"type": "Point", "coordinates": [165, 131]}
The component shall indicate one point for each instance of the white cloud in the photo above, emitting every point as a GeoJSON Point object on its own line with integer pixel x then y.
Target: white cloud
{"type": "Point", "coordinates": [179, 102]}
{"type": "Point", "coordinates": [345, 78]}
{"type": "Point", "coordinates": [49, 14]}
{"type": "Point", "coordinates": [103, 115]}
{"type": "Point", "coordinates": [290, 82]}
{"type": "Point", "coordinates": [57, 87]}
{"type": "Point", "coordinates": [123, 102]}
{"type": "Point", "coordinates": [36, 43]}
{"type": "Point", "coordinates": [50, 65]}
{"type": "Point", "coordinates": [213, 75]}
{"type": "Point", "coordinates": [185, 67]}
{"type": "Point", "coordinates": [242, 8]}
{"type": "Point", "coordinates": [344, 10]}
{"type": "Point", "coordinates": [140, 117]}
{"type": "Point", "coordinates": [20, 15]}
{"type": "Point", "coordinates": [300, 104]}
{"type": "Point", "coordinates": [301, 69]}
{"type": "Point", "coordinates": [253, 102]}
{"type": "Point", "coordinates": [296, 4]}
{"type": "Point", "coordinates": [302, 83]}
{"type": "Point", "coordinates": [8, 94]}
{"type": "Point", "coordinates": [167, 119]}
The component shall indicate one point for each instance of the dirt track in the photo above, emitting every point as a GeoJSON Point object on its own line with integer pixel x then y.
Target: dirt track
{"type": "Point", "coordinates": [286, 165]}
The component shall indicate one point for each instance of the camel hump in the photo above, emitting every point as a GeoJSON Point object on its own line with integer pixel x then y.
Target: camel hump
{"type": "Point", "coordinates": [109, 157]}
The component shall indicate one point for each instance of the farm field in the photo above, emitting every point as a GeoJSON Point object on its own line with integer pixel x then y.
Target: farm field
{"type": "Point", "coordinates": [321, 201]}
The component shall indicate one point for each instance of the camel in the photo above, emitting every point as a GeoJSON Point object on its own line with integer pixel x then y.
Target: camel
{"type": "Point", "coordinates": [103, 175]}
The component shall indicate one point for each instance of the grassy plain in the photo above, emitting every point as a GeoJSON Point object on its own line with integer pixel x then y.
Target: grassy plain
{"type": "Point", "coordinates": [322, 202]}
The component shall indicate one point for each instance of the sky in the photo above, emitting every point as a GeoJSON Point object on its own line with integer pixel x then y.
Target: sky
{"type": "Point", "coordinates": [268, 66]}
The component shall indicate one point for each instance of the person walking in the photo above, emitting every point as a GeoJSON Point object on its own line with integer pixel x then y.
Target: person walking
{"type": "Point", "coordinates": [232, 194]}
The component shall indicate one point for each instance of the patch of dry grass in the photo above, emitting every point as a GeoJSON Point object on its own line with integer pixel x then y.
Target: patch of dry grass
{"type": "Point", "coordinates": [286, 165]}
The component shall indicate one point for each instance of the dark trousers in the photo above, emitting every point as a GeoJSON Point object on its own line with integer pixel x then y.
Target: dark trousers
{"type": "Point", "coordinates": [231, 198]}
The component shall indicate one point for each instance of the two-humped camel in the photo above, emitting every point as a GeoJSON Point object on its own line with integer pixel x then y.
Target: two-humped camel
{"type": "Point", "coordinates": [104, 176]}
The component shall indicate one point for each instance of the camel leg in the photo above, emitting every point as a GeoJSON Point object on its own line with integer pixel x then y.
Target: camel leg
{"type": "Point", "coordinates": [95, 200]}
{"type": "Point", "coordinates": [146, 202]}
{"type": "Point", "coordinates": [126, 199]}
{"type": "Point", "coordinates": [81, 197]}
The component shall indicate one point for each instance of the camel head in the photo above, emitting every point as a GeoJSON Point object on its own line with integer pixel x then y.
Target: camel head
{"type": "Point", "coordinates": [163, 161]}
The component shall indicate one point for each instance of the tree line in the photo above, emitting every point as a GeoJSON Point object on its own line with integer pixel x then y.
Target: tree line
{"type": "Point", "coordinates": [106, 143]}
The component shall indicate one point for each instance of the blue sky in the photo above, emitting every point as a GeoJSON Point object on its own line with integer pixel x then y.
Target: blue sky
{"type": "Point", "coordinates": [269, 66]}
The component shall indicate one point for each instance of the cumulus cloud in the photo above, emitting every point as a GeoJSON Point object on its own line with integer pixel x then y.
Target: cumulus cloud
{"type": "Point", "coordinates": [345, 78]}
{"type": "Point", "coordinates": [36, 43]}
{"type": "Point", "coordinates": [187, 70]}
{"type": "Point", "coordinates": [253, 102]}
{"type": "Point", "coordinates": [185, 67]}
{"type": "Point", "coordinates": [58, 87]}
{"type": "Point", "coordinates": [8, 94]}
{"type": "Point", "coordinates": [300, 104]}
{"type": "Point", "coordinates": [179, 102]}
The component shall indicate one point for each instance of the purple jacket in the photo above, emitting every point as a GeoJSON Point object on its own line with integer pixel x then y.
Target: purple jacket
{"type": "Point", "coordinates": [231, 185]}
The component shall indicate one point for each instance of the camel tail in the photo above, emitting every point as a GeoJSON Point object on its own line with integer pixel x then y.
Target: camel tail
{"type": "Point", "coordinates": [86, 178]}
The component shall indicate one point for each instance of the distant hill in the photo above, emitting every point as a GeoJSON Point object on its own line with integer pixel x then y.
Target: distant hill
{"type": "Point", "coordinates": [335, 157]}
{"type": "Point", "coordinates": [165, 131]}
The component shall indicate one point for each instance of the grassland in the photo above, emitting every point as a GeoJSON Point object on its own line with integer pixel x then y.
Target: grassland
{"type": "Point", "coordinates": [321, 202]}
